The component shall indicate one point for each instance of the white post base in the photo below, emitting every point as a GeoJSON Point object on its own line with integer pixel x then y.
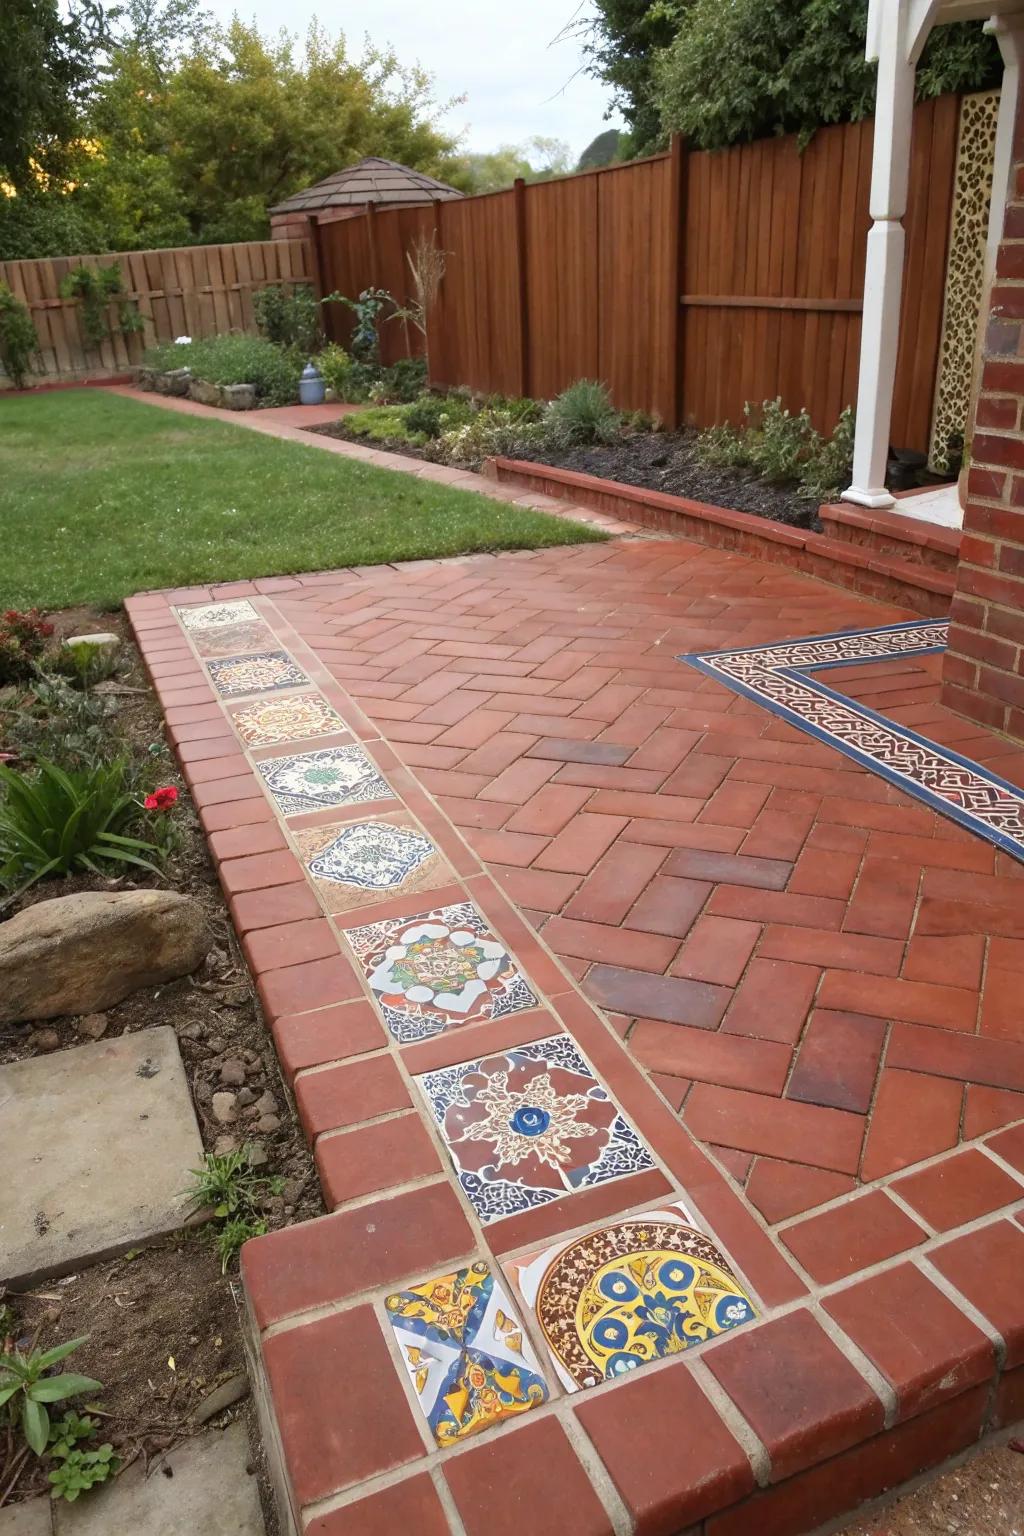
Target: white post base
{"type": "Point", "coordinates": [869, 498]}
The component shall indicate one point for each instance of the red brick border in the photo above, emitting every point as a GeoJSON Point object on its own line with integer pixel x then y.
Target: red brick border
{"type": "Point", "coordinates": [781, 1425]}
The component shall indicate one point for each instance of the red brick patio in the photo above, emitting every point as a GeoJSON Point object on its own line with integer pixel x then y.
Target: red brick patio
{"type": "Point", "coordinates": [817, 981]}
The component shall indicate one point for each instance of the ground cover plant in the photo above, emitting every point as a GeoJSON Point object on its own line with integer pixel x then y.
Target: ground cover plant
{"type": "Point", "coordinates": [101, 497]}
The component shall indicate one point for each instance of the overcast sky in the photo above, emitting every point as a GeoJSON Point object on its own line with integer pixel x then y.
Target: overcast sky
{"type": "Point", "coordinates": [499, 54]}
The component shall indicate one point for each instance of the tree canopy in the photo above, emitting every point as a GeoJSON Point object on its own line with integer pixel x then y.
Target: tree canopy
{"type": "Point", "coordinates": [536, 159]}
{"type": "Point", "coordinates": [184, 132]}
{"type": "Point", "coordinates": [48, 62]}
{"type": "Point", "coordinates": [725, 71]}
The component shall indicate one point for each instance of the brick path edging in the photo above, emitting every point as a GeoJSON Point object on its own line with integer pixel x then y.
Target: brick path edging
{"type": "Point", "coordinates": [785, 1423]}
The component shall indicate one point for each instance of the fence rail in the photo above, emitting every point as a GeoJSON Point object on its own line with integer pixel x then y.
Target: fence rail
{"type": "Point", "coordinates": [689, 282]}
{"type": "Point", "coordinates": [201, 290]}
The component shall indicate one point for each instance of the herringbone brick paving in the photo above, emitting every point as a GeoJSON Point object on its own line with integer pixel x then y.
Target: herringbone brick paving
{"type": "Point", "coordinates": [820, 974]}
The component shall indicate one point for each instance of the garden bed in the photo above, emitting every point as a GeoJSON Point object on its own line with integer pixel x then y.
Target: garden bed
{"type": "Point", "coordinates": [161, 1321]}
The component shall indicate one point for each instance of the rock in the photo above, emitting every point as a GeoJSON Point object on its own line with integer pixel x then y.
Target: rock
{"type": "Point", "coordinates": [84, 953]}
{"type": "Point", "coordinates": [105, 641]}
{"type": "Point", "coordinates": [246, 1097]}
{"type": "Point", "coordinates": [216, 1044]}
{"type": "Point", "coordinates": [238, 397]}
{"type": "Point", "coordinates": [174, 381]}
{"type": "Point", "coordinates": [225, 1144]}
{"type": "Point", "coordinates": [93, 1026]}
{"type": "Point", "coordinates": [266, 1104]}
{"type": "Point", "coordinates": [232, 1072]}
{"type": "Point", "coordinates": [225, 1110]}
{"type": "Point", "coordinates": [257, 1154]}
{"type": "Point", "coordinates": [267, 1124]}
{"type": "Point", "coordinates": [232, 1391]}
{"type": "Point", "coordinates": [204, 392]}
{"type": "Point", "coordinates": [44, 1039]}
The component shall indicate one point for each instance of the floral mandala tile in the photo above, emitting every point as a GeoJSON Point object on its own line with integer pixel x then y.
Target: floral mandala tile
{"type": "Point", "coordinates": [262, 673]}
{"type": "Point", "coordinates": [437, 970]}
{"type": "Point", "coordinates": [527, 1126]}
{"type": "Point", "coordinates": [234, 639]}
{"type": "Point", "coordinates": [212, 615]}
{"type": "Point", "coordinates": [358, 863]}
{"type": "Point", "coordinates": [319, 781]}
{"type": "Point", "coordinates": [469, 1359]}
{"type": "Point", "coordinates": [295, 718]}
{"type": "Point", "coordinates": [621, 1296]}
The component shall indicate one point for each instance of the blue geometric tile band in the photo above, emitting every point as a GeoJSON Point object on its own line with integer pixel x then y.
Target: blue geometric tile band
{"type": "Point", "coordinates": [777, 677]}
{"type": "Point", "coordinates": [373, 856]}
{"type": "Point", "coordinates": [317, 781]}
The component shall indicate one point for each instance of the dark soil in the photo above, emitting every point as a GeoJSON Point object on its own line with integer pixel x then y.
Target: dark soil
{"type": "Point", "coordinates": [168, 1301]}
{"type": "Point", "coordinates": [664, 461]}
{"type": "Point", "coordinates": [982, 1497]}
{"type": "Point", "coordinates": [656, 461]}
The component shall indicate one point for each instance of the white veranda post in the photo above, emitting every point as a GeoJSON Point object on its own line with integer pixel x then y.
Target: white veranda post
{"type": "Point", "coordinates": [896, 33]}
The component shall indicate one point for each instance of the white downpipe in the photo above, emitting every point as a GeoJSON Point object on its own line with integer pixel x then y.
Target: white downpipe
{"type": "Point", "coordinates": [883, 276]}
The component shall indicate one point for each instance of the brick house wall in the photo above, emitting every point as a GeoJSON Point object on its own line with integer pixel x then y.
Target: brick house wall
{"type": "Point", "coordinates": [983, 670]}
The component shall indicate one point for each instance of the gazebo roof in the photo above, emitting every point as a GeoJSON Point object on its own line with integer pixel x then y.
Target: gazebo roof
{"type": "Point", "coordinates": [372, 180]}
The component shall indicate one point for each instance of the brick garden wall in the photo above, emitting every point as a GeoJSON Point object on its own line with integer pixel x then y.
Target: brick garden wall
{"type": "Point", "coordinates": [983, 673]}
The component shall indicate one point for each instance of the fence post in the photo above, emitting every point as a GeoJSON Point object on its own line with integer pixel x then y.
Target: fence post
{"type": "Point", "coordinates": [519, 209]}
{"type": "Point", "coordinates": [371, 241]}
{"type": "Point", "coordinates": [435, 333]}
{"type": "Point", "coordinates": [677, 268]}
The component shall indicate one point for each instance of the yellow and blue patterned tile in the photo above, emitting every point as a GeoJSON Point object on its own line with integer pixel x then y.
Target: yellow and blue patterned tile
{"type": "Point", "coordinates": [640, 1289]}
{"type": "Point", "coordinates": [468, 1357]}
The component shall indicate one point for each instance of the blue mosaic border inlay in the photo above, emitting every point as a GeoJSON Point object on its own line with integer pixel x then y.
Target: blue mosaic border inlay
{"type": "Point", "coordinates": [777, 676]}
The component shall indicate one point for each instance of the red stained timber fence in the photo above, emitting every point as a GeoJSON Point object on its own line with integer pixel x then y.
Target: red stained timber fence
{"type": "Point", "coordinates": [689, 282]}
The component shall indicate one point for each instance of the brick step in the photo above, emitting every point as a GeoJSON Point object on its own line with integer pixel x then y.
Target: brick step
{"type": "Point", "coordinates": [892, 535]}
{"type": "Point", "coordinates": [910, 582]}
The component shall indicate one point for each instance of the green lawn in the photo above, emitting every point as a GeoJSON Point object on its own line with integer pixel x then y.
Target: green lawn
{"type": "Point", "coordinates": [101, 497]}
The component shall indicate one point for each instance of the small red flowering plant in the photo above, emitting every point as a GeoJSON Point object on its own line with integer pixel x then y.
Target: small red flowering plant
{"type": "Point", "coordinates": [23, 640]}
{"type": "Point", "coordinates": [161, 799]}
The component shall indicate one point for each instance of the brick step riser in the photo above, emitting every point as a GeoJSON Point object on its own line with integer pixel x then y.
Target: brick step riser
{"type": "Point", "coordinates": [910, 583]}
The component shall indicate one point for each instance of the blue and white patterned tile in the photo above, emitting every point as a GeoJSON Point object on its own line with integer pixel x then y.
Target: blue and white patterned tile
{"type": "Point", "coordinates": [265, 672]}
{"type": "Point", "coordinates": [213, 615]}
{"type": "Point", "coordinates": [530, 1125]}
{"type": "Point", "coordinates": [362, 863]}
{"type": "Point", "coordinates": [324, 780]}
{"type": "Point", "coordinates": [439, 970]}
{"type": "Point", "coordinates": [781, 678]}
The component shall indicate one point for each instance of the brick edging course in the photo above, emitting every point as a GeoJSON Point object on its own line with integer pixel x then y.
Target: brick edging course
{"type": "Point", "coordinates": [778, 1426]}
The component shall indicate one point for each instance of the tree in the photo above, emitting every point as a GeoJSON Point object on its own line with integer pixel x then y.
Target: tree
{"type": "Point", "coordinates": [620, 41]}
{"type": "Point", "coordinates": [536, 159]}
{"type": "Point", "coordinates": [48, 66]}
{"type": "Point", "coordinates": [199, 150]}
{"type": "Point", "coordinates": [792, 67]}
{"type": "Point", "coordinates": [603, 150]}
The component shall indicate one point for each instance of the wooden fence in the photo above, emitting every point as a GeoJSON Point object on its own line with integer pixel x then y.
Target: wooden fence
{"type": "Point", "coordinates": [689, 282]}
{"type": "Point", "coordinates": [199, 290]}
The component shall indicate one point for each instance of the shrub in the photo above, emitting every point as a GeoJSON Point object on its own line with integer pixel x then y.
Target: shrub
{"type": "Point", "coordinates": [404, 380]}
{"type": "Point", "coordinates": [289, 317]}
{"type": "Point", "coordinates": [57, 823]}
{"type": "Point", "coordinates": [23, 640]}
{"type": "Point", "coordinates": [56, 722]}
{"type": "Point", "coordinates": [780, 446]}
{"type": "Point", "coordinates": [581, 415]}
{"type": "Point", "coordinates": [493, 431]}
{"type": "Point", "coordinates": [385, 423]}
{"type": "Point", "coordinates": [236, 359]}
{"type": "Point", "coordinates": [335, 367]}
{"type": "Point", "coordinates": [431, 415]}
{"type": "Point", "coordinates": [18, 343]}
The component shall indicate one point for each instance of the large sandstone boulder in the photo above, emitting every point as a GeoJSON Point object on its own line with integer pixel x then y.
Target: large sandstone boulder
{"type": "Point", "coordinates": [84, 953]}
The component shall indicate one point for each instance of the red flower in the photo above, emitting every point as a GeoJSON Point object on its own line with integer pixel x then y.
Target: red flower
{"type": "Point", "coordinates": [161, 799]}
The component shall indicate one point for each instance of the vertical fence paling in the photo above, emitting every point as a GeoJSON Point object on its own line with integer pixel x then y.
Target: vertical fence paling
{"type": "Point", "coordinates": [195, 290]}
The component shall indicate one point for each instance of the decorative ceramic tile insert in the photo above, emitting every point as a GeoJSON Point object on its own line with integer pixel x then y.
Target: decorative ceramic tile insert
{"type": "Point", "coordinates": [234, 639]}
{"type": "Point", "coordinates": [437, 970]}
{"type": "Point", "coordinates": [635, 1291]}
{"type": "Point", "coordinates": [777, 677]}
{"type": "Point", "coordinates": [320, 781]}
{"type": "Point", "coordinates": [358, 863]}
{"type": "Point", "coordinates": [470, 1362]}
{"type": "Point", "coordinates": [296, 718]}
{"type": "Point", "coordinates": [528, 1125]}
{"type": "Point", "coordinates": [263, 673]}
{"type": "Point", "coordinates": [213, 615]}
